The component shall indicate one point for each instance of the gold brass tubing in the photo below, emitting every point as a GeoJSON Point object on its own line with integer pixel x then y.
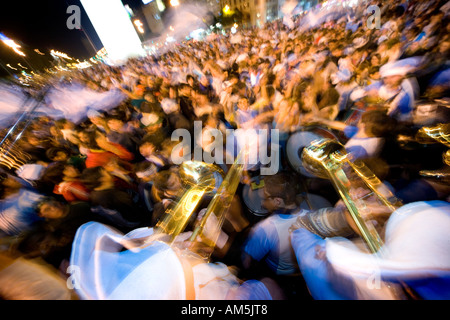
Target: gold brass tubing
{"type": "Point", "coordinates": [327, 159]}
{"type": "Point", "coordinates": [221, 201]}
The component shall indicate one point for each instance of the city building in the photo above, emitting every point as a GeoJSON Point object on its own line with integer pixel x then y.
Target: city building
{"type": "Point", "coordinates": [258, 12]}
{"type": "Point", "coordinates": [152, 11]}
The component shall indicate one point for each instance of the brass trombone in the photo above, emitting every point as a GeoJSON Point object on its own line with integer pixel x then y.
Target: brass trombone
{"type": "Point", "coordinates": [328, 159]}
{"type": "Point", "coordinates": [220, 204]}
{"type": "Point", "coordinates": [201, 179]}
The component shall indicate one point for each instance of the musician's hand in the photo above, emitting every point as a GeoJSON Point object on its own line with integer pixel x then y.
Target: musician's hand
{"type": "Point", "coordinates": [320, 252]}
{"type": "Point", "coordinates": [308, 118]}
{"type": "Point", "coordinates": [372, 93]}
{"type": "Point", "coordinates": [198, 247]}
{"type": "Point", "coordinates": [245, 179]}
{"type": "Point", "coordinates": [357, 193]}
{"type": "Point", "coordinates": [372, 209]}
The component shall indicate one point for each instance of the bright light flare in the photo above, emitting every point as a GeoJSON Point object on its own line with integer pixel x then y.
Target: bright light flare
{"type": "Point", "coordinates": [60, 54]}
{"type": "Point", "coordinates": [11, 67]}
{"type": "Point", "coordinates": [10, 43]}
{"type": "Point", "coordinates": [139, 25]}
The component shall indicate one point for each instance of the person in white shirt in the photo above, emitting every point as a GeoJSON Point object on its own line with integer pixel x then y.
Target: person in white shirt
{"type": "Point", "coordinates": [268, 243]}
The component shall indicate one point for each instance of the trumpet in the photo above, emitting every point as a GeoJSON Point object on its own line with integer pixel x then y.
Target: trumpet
{"type": "Point", "coordinates": [328, 159]}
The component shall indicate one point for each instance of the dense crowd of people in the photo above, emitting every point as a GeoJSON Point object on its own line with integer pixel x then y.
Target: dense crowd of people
{"type": "Point", "coordinates": [373, 90]}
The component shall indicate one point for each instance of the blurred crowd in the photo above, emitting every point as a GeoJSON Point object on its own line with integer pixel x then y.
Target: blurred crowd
{"type": "Point", "coordinates": [373, 90]}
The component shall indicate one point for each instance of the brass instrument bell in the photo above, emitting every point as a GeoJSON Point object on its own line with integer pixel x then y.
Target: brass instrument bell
{"type": "Point", "coordinates": [199, 179]}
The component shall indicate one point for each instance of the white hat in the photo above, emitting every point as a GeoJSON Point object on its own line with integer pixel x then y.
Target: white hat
{"type": "Point", "coordinates": [93, 113]}
{"type": "Point", "coordinates": [417, 246]}
{"type": "Point", "coordinates": [389, 70]}
{"type": "Point", "coordinates": [278, 67]}
{"type": "Point", "coordinates": [342, 75]}
{"type": "Point", "coordinates": [149, 119]}
{"type": "Point", "coordinates": [401, 67]}
{"type": "Point", "coordinates": [360, 42]}
{"type": "Point", "coordinates": [151, 272]}
{"type": "Point", "coordinates": [291, 58]}
{"type": "Point", "coordinates": [30, 171]}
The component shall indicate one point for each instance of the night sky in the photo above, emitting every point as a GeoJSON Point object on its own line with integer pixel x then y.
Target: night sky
{"type": "Point", "coordinates": [42, 25]}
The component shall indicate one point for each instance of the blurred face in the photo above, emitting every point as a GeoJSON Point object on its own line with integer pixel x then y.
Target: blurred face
{"type": "Point", "coordinates": [185, 91]}
{"type": "Point", "coordinates": [33, 141]}
{"type": "Point", "coordinates": [51, 210]}
{"type": "Point", "coordinates": [382, 48]}
{"type": "Point", "coordinates": [147, 149]}
{"type": "Point", "coordinates": [172, 93]}
{"type": "Point", "coordinates": [54, 131]}
{"type": "Point", "coordinates": [337, 52]}
{"type": "Point", "coordinates": [70, 171]}
{"type": "Point", "coordinates": [375, 61]}
{"type": "Point", "coordinates": [115, 124]}
{"type": "Point", "coordinates": [149, 98]}
{"type": "Point", "coordinates": [269, 203]}
{"type": "Point", "coordinates": [392, 81]}
{"type": "Point", "coordinates": [204, 81]}
{"type": "Point", "coordinates": [139, 90]}
{"type": "Point", "coordinates": [174, 182]}
{"type": "Point", "coordinates": [444, 47]}
{"type": "Point", "coordinates": [106, 178]}
{"type": "Point", "coordinates": [243, 104]}
{"type": "Point", "coordinates": [201, 99]}
{"type": "Point", "coordinates": [357, 56]}
{"type": "Point", "coordinates": [96, 120]}
{"type": "Point", "coordinates": [10, 182]}
{"type": "Point", "coordinates": [60, 156]}
{"type": "Point", "coordinates": [84, 138]}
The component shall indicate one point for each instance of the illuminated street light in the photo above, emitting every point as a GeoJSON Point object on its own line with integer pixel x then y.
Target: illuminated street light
{"type": "Point", "coordinates": [227, 11]}
{"type": "Point", "coordinates": [160, 5]}
{"type": "Point", "coordinates": [10, 43]}
{"type": "Point", "coordinates": [60, 54]}
{"type": "Point", "coordinates": [11, 67]}
{"type": "Point", "coordinates": [139, 25]}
